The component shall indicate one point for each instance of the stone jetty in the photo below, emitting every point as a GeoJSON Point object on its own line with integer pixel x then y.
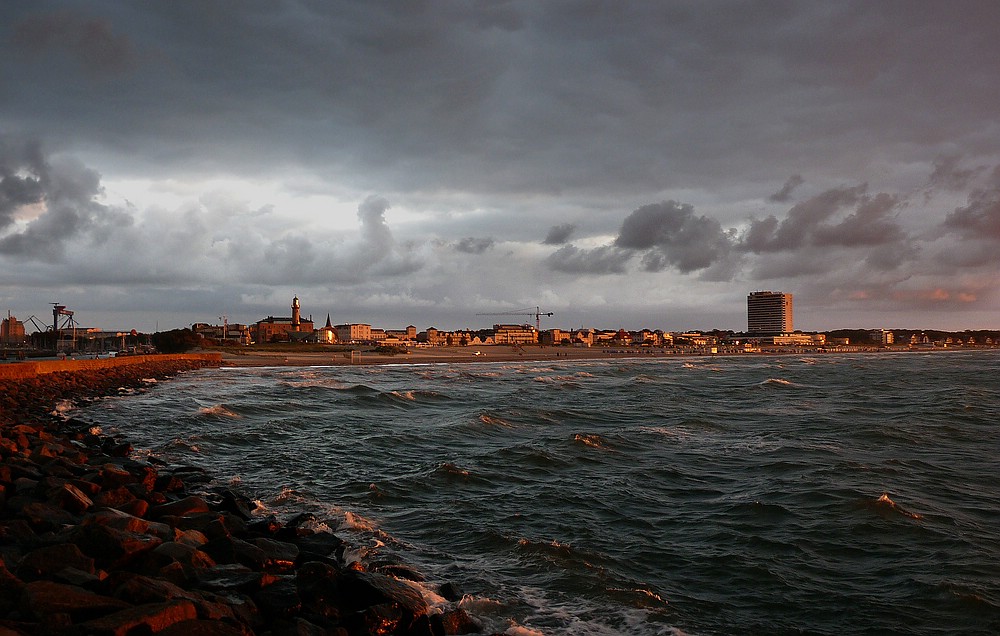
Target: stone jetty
{"type": "Point", "coordinates": [94, 541]}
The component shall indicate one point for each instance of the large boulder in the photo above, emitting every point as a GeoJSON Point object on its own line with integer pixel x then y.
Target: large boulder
{"type": "Point", "coordinates": [151, 618]}
{"type": "Point", "coordinates": [43, 598]}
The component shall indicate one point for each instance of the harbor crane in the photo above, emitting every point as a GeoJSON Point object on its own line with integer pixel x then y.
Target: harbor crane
{"type": "Point", "coordinates": [538, 313]}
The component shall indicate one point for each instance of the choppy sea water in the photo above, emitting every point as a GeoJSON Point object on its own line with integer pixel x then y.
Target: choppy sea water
{"type": "Point", "coordinates": [840, 494]}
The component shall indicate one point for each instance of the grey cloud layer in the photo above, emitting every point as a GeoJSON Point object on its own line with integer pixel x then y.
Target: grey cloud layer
{"type": "Point", "coordinates": [589, 151]}
{"type": "Point", "coordinates": [530, 96]}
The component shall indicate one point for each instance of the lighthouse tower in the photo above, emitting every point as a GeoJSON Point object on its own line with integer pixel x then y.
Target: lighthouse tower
{"type": "Point", "coordinates": [296, 319]}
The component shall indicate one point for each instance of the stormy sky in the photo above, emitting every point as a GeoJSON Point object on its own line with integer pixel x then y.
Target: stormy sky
{"type": "Point", "coordinates": [620, 164]}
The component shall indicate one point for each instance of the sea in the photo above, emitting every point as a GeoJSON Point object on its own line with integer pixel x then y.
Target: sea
{"type": "Point", "coordinates": [829, 494]}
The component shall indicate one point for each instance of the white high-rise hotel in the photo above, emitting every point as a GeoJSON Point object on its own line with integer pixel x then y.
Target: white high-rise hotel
{"type": "Point", "coordinates": [769, 313]}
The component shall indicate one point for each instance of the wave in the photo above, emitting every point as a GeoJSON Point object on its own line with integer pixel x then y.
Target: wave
{"type": "Point", "coordinates": [886, 506]}
{"type": "Point", "coordinates": [558, 381]}
{"type": "Point", "coordinates": [218, 410]}
{"type": "Point", "coordinates": [592, 440]}
{"type": "Point", "coordinates": [417, 395]}
{"type": "Point", "coordinates": [781, 382]}
{"type": "Point", "coordinates": [62, 408]}
{"type": "Point", "coordinates": [448, 469]}
{"type": "Point", "coordinates": [494, 420]}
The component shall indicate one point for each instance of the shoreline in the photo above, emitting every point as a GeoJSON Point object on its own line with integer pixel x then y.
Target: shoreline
{"type": "Point", "coordinates": [501, 354]}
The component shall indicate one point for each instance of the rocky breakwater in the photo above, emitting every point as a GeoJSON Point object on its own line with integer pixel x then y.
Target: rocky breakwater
{"type": "Point", "coordinates": [93, 541]}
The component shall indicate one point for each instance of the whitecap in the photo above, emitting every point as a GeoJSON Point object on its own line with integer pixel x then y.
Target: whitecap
{"type": "Point", "coordinates": [217, 410]}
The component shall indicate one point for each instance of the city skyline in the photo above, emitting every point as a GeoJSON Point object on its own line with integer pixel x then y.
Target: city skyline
{"type": "Point", "coordinates": [623, 164]}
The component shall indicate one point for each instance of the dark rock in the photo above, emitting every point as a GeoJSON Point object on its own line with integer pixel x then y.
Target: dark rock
{"type": "Point", "coordinates": [17, 531]}
{"type": "Point", "coordinates": [385, 618]}
{"type": "Point", "coordinates": [267, 526]}
{"type": "Point", "coordinates": [113, 476]}
{"type": "Point", "coordinates": [455, 621]}
{"type": "Point", "coordinates": [399, 571]}
{"type": "Point", "coordinates": [119, 450]}
{"type": "Point", "coordinates": [169, 483]}
{"type": "Point", "coordinates": [280, 599]}
{"type": "Point", "coordinates": [301, 627]}
{"type": "Point", "coordinates": [181, 507]}
{"type": "Point", "coordinates": [320, 544]}
{"type": "Point", "coordinates": [451, 592]}
{"type": "Point", "coordinates": [111, 547]}
{"type": "Point", "coordinates": [193, 538]}
{"type": "Point", "coordinates": [138, 590]}
{"type": "Point", "coordinates": [44, 517]}
{"type": "Point", "coordinates": [121, 520]}
{"type": "Point", "coordinates": [237, 504]}
{"type": "Point", "coordinates": [233, 577]}
{"type": "Point", "coordinates": [114, 497]}
{"type": "Point", "coordinates": [367, 589]}
{"type": "Point", "coordinates": [152, 618]}
{"type": "Point", "coordinates": [319, 588]}
{"type": "Point", "coordinates": [70, 498]}
{"type": "Point", "coordinates": [73, 576]}
{"type": "Point", "coordinates": [46, 561]}
{"type": "Point", "coordinates": [183, 554]}
{"type": "Point", "coordinates": [42, 598]}
{"type": "Point", "coordinates": [279, 556]}
{"type": "Point", "coordinates": [200, 627]}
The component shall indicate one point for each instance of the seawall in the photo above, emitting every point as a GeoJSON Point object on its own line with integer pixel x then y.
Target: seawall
{"type": "Point", "coordinates": [26, 370]}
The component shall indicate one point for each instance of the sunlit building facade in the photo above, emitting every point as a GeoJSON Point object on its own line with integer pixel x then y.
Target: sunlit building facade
{"type": "Point", "coordinates": [769, 313]}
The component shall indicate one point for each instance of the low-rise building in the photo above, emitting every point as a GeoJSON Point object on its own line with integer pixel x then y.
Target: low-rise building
{"type": "Point", "coordinates": [354, 332]}
{"type": "Point", "coordinates": [515, 334]}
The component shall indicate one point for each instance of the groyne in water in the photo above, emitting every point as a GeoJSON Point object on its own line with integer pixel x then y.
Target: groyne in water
{"type": "Point", "coordinates": [93, 541]}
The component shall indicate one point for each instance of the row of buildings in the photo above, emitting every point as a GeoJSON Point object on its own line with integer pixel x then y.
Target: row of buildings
{"type": "Point", "coordinates": [769, 321]}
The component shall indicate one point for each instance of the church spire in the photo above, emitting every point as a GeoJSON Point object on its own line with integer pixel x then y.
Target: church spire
{"type": "Point", "coordinates": [329, 325]}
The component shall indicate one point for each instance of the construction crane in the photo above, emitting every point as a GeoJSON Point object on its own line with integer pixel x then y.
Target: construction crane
{"type": "Point", "coordinates": [538, 313]}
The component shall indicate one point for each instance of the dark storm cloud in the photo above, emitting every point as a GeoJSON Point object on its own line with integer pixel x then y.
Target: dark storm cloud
{"type": "Point", "coordinates": [980, 218]}
{"type": "Point", "coordinates": [948, 175]}
{"type": "Point", "coordinates": [673, 236]}
{"type": "Point", "coordinates": [808, 222]}
{"type": "Point", "coordinates": [471, 245]}
{"type": "Point", "coordinates": [521, 96]}
{"type": "Point", "coordinates": [564, 110]}
{"type": "Point", "coordinates": [606, 259]}
{"type": "Point", "coordinates": [785, 193]}
{"type": "Point", "coordinates": [91, 43]}
{"type": "Point", "coordinates": [22, 172]}
{"type": "Point", "coordinates": [559, 234]}
{"type": "Point", "coordinates": [55, 202]}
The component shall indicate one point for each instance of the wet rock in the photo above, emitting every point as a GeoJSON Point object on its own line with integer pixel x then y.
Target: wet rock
{"type": "Point", "coordinates": [367, 589]}
{"type": "Point", "coordinates": [181, 507]}
{"type": "Point", "coordinates": [279, 556]}
{"type": "Point", "coordinates": [224, 578]}
{"type": "Point", "coordinates": [280, 599]}
{"type": "Point", "coordinates": [455, 621]}
{"type": "Point", "coordinates": [237, 504]}
{"type": "Point", "coordinates": [451, 592]}
{"type": "Point", "coordinates": [320, 546]}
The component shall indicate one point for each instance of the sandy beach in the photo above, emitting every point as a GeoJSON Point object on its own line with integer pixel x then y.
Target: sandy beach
{"type": "Point", "coordinates": [436, 355]}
